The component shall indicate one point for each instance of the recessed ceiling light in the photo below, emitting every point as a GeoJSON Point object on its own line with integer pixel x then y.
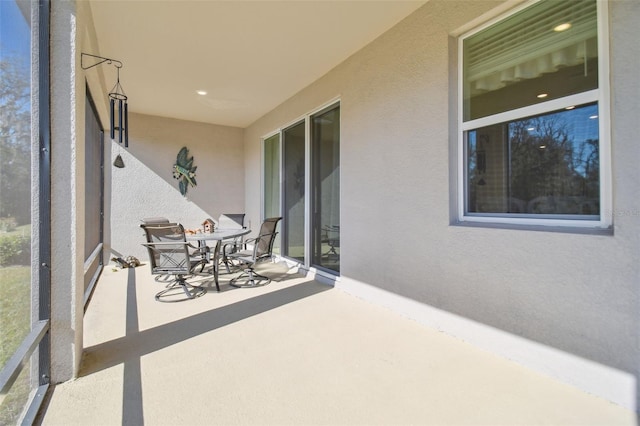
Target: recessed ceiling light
{"type": "Point", "coordinates": [543, 95]}
{"type": "Point", "coordinates": [201, 92]}
{"type": "Point", "coordinates": [562, 27]}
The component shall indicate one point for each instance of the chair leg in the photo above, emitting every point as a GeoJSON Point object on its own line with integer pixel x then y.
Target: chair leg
{"type": "Point", "coordinates": [253, 279]}
{"type": "Point", "coordinates": [226, 261]}
{"type": "Point", "coordinates": [191, 291]}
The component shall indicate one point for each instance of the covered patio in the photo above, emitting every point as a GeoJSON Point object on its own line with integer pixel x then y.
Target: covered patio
{"type": "Point", "coordinates": [406, 288]}
{"type": "Point", "coordinates": [297, 351]}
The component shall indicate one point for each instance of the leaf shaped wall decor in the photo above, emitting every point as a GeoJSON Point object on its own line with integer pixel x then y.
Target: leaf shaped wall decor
{"type": "Point", "coordinates": [184, 171]}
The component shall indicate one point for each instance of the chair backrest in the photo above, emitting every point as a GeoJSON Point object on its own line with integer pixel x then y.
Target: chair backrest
{"type": "Point", "coordinates": [231, 221]}
{"type": "Point", "coordinates": [264, 242]}
{"type": "Point", "coordinates": [154, 221]}
{"type": "Point", "coordinates": [167, 248]}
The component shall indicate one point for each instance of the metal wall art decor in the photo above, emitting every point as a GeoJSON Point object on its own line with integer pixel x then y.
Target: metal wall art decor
{"type": "Point", "coordinates": [118, 110]}
{"type": "Point", "coordinates": [184, 171]}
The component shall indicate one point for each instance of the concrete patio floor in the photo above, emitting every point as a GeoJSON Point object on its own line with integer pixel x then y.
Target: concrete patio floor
{"type": "Point", "coordinates": [293, 352]}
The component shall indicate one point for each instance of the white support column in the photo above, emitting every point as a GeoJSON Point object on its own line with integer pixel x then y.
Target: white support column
{"type": "Point", "coordinates": [67, 186]}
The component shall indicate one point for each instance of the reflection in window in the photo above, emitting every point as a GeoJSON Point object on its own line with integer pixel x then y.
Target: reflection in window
{"type": "Point", "coordinates": [531, 100]}
{"type": "Point", "coordinates": [325, 143]}
{"type": "Point", "coordinates": [294, 195]}
{"type": "Point", "coordinates": [542, 165]}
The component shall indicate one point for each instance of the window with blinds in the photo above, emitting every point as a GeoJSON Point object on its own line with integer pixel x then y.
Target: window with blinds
{"type": "Point", "coordinates": [532, 131]}
{"type": "Point", "coordinates": [549, 48]}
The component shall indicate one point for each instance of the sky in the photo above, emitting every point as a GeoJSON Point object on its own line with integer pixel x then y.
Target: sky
{"type": "Point", "coordinates": [15, 37]}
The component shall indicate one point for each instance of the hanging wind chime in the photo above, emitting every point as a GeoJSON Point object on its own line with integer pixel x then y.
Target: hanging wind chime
{"type": "Point", "coordinates": [117, 94]}
{"type": "Point", "coordinates": [118, 108]}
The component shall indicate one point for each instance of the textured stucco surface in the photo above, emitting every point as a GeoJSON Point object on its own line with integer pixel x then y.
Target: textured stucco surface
{"type": "Point", "coordinates": [67, 185]}
{"type": "Point", "coordinates": [573, 292]}
{"type": "Point", "coordinates": [145, 187]}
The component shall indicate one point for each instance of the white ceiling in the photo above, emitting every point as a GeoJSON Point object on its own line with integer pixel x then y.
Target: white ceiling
{"type": "Point", "coordinates": [249, 56]}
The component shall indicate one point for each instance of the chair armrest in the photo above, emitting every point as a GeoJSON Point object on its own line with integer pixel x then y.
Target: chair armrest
{"type": "Point", "coordinates": [198, 248]}
{"type": "Point", "coordinates": [250, 240]}
{"type": "Point", "coordinates": [232, 247]}
{"type": "Point", "coordinates": [204, 251]}
{"type": "Point", "coordinates": [166, 243]}
{"type": "Point", "coordinates": [199, 251]}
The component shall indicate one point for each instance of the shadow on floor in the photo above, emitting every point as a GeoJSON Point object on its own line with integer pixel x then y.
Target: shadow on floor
{"type": "Point", "coordinates": [129, 349]}
{"type": "Point", "coordinates": [278, 272]}
{"type": "Point", "coordinates": [138, 343]}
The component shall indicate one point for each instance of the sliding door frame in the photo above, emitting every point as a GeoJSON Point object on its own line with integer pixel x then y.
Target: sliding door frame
{"type": "Point", "coordinates": [308, 187]}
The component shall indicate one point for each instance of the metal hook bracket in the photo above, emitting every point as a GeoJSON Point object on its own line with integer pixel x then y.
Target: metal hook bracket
{"type": "Point", "coordinates": [101, 61]}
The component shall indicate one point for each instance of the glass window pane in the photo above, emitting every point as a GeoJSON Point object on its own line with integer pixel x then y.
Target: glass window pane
{"type": "Point", "coordinates": [272, 176]}
{"type": "Point", "coordinates": [93, 158]}
{"type": "Point", "coordinates": [15, 200]}
{"type": "Point", "coordinates": [15, 401]}
{"type": "Point", "coordinates": [544, 52]}
{"type": "Point", "coordinates": [15, 176]}
{"type": "Point", "coordinates": [294, 191]}
{"type": "Point", "coordinates": [325, 140]}
{"type": "Point", "coordinates": [542, 165]}
{"type": "Point", "coordinates": [15, 304]}
{"type": "Point", "coordinates": [271, 181]}
{"type": "Point", "coordinates": [94, 194]}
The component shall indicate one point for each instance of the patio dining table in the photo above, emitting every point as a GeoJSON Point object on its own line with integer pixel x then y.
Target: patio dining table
{"type": "Point", "coordinates": [218, 236]}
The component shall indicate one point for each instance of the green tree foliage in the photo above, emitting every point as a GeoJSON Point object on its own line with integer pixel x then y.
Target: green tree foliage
{"type": "Point", "coordinates": [15, 141]}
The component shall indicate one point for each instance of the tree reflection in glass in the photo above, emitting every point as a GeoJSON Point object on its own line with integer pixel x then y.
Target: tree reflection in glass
{"type": "Point", "coordinates": [540, 165]}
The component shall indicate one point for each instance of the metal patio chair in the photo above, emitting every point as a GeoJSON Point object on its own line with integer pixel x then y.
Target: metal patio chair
{"type": "Point", "coordinates": [171, 255]}
{"type": "Point", "coordinates": [262, 251]}
{"type": "Point", "coordinates": [231, 221]}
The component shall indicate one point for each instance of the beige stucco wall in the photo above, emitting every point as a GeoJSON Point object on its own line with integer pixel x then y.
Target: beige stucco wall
{"type": "Point", "coordinates": [574, 293]}
{"type": "Point", "coordinates": [145, 187]}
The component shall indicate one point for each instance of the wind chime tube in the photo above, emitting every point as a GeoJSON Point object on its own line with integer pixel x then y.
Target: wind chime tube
{"type": "Point", "coordinates": [120, 121]}
{"type": "Point", "coordinates": [113, 130]}
{"type": "Point", "coordinates": [126, 125]}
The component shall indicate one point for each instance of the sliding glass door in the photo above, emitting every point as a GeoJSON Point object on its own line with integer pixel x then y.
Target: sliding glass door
{"type": "Point", "coordinates": [302, 159]}
{"type": "Point", "coordinates": [325, 156]}
{"type": "Point", "coordinates": [271, 182]}
{"type": "Point", "coordinates": [294, 191]}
